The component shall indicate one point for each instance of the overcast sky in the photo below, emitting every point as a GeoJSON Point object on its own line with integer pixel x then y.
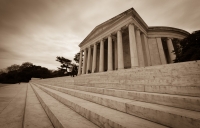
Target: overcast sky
{"type": "Point", "coordinates": [37, 31]}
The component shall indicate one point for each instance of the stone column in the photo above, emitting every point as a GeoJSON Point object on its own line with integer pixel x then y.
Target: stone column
{"type": "Point", "coordinates": [98, 57]}
{"type": "Point", "coordinates": [133, 46]}
{"type": "Point", "coordinates": [80, 63]}
{"type": "Point", "coordinates": [88, 59]}
{"type": "Point", "coordinates": [139, 48]}
{"type": "Point", "coordinates": [161, 51]}
{"type": "Point", "coordinates": [170, 46]}
{"type": "Point", "coordinates": [101, 63]}
{"type": "Point", "coordinates": [84, 61]}
{"type": "Point", "coordinates": [110, 59]}
{"type": "Point", "coordinates": [120, 50]}
{"type": "Point", "coordinates": [94, 60]}
{"type": "Point", "coordinates": [154, 52]}
{"type": "Point", "coordinates": [116, 55]}
{"type": "Point", "coordinates": [147, 59]}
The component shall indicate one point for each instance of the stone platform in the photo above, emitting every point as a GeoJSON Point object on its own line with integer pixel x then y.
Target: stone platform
{"type": "Point", "coordinates": [152, 97]}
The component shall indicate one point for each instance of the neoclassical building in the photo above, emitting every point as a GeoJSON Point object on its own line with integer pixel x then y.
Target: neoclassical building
{"type": "Point", "coordinates": [126, 41]}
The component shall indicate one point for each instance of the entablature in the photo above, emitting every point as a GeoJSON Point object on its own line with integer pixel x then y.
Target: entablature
{"type": "Point", "coordinates": [161, 31]}
{"type": "Point", "coordinates": [106, 26]}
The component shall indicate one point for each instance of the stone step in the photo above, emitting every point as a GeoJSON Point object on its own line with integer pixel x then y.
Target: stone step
{"type": "Point", "coordinates": [60, 115]}
{"type": "Point", "coordinates": [13, 101]}
{"type": "Point", "coordinates": [98, 114]}
{"type": "Point", "coordinates": [174, 90]}
{"type": "Point", "coordinates": [185, 102]}
{"type": "Point", "coordinates": [56, 80]}
{"type": "Point", "coordinates": [35, 115]}
{"type": "Point", "coordinates": [176, 74]}
{"type": "Point", "coordinates": [166, 89]}
{"type": "Point", "coordinates": [137, 108]}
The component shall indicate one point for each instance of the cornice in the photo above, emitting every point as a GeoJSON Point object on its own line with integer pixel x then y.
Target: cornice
{"type": "Point", "coordinates": [167, 29]}
{"type": "Point", "coordinates": [130, 12]}
{"type": "Point", "coordinates": [121, 21]}
{"type": "Point", "coordinates": [137, 17]}
{"type": "Point", "coordinates": [162, 31]}
{"type": "Point", "coordinates": [105, 33]}
{"type": "Point", "coordinates": [106, 23]}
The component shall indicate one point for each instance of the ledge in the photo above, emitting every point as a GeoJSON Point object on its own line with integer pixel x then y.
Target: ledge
{"type": "Point", "coordinates": [167, 29]}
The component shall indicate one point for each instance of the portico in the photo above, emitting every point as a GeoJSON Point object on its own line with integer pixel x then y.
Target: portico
{"type": "Point", "coordinates": [126, 41]}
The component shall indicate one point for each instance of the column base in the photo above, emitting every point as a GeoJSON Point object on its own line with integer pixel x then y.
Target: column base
{"type": "Point", "coordinates": [120, 69]}
{"type": "Point", "coordinates": [110, 70]}
{"type": "Point", "coordinates": [135, 67]}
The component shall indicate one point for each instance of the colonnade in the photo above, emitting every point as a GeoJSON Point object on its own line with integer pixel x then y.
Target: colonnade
{"type": "Point", "coordinates": [170, 49]}
{"type": "Point", "coordinates": [139, 52]}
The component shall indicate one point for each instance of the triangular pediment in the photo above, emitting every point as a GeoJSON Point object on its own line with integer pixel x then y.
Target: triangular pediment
{"type": "Point", "coordinates": [100, 28]}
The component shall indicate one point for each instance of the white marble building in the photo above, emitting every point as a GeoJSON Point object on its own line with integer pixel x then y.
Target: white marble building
{"type": "Point", "coordinates": [126, 41]}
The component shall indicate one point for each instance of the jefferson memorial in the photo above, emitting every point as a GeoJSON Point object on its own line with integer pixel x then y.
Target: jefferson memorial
{"type": "Point", "coordinates": [126, 41]}
{"type": "Point", "coordinates": [132, 85]}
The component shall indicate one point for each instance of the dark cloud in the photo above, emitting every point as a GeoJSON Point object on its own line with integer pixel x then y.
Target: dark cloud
{"type": "Point", "coordinates": [39, 30]}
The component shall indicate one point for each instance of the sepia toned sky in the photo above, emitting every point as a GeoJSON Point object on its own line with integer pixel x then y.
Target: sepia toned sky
{"type": "Point", "coordinates": [37, 31]}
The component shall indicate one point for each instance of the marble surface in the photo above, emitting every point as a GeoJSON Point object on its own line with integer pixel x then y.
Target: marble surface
{"type": "Point", "coordinates": [177, 74]}
{"type": "Point", "coordinates": [169, 91]}
{"type": "Point", "coordinates": [100, 115]}
{"type": "Point", "coordinates": [35, 116]}
{"type": "Point", "coordinates": [163, 89]}
{"type": "Point", "coordinates": [60, 115]}
{"type": "Point", "coordinates": [148, 111]}
{"type": "Point", "coordinates": [175, 90]}
{"type": "Point", "coordinates": [12, 103]}
{"type": "Point", "coordinates": [185, 102]}
{"type": "Point", "coordinates": [172, 117]}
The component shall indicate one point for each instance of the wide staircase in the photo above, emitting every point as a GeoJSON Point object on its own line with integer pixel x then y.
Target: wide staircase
{"type": "Point", "coordinates": [151, 97]}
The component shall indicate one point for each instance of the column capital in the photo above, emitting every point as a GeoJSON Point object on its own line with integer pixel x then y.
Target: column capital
{"type": "Point", "coordinates": [120, 29]}
{"type": "Point", "coordinates": [124, 27]}
{"type": "Point", "coordinates": [101, 40]}
{"type": "Point", "coordinates": [137, 29]}
{"type": "Point", "coordinates": [110, 35]}
{"type": "Point", "coordinates": [114, 32]}
{"type": "Point", "coordinates": [169, 38]}
{"type": "Point", "coordinates": [114, 38]}
{"type": "Point", "coordinates": [130, 23]}
{"type": "Point", "coordinates": [144, 35]}
{"type": "Point", "coordinates": [95, 43]}
{"type": "Point", "coordinates": [98, 43]}
{"type": "Point", "coordinates": [90, 46]}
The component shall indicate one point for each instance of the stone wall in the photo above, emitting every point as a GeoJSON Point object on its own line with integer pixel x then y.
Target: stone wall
{"type": "Point", "coordinates": [177, 74]}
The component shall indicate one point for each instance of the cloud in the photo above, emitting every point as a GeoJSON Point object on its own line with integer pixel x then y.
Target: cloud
{"type": "Point", "coordinates": [39, 30]}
